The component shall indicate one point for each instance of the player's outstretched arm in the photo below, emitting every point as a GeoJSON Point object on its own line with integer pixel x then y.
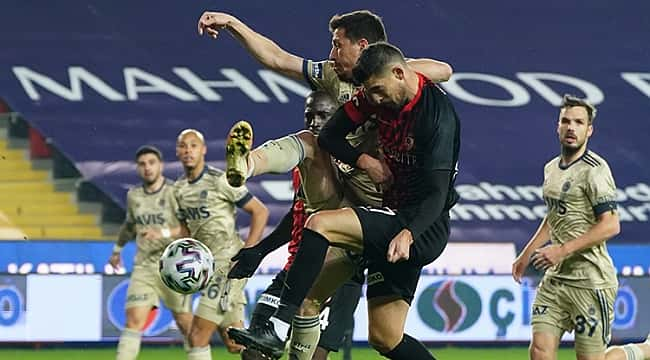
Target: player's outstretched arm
{"type": "Point", "coordinates": [265, 50]}
{"type": "Point", "coordinates": [259, 217]}
{"type": "Point", "coordinates": [434, 70]}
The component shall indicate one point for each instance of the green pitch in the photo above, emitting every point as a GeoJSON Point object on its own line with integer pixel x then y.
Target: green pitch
{"type": "Point", "coordinates": [176, 353]}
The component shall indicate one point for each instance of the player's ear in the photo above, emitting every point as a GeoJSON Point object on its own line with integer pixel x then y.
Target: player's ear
{"type": "Point", "coordinates": [398, 71]}
{"type": "Point", "coordinates": [363, 43]}
{"type": "Point", "coordinates": [590, 130]}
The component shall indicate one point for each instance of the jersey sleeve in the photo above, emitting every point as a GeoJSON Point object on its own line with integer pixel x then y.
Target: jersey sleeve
{"type": "Point", "coordinates": [239, 196]}
{"type": "Point", "coordinates": [319, 74]}
{"type": "Point", "coordinates": [601, 189]}
{"type": "Point", "coordinates": [442, 147]}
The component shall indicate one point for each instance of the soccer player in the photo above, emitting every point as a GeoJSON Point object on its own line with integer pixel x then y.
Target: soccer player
{"type": "Point", "coordinates": [419, 135]}
{"type": "Point", "coordinates": [207, 207]}
{"type": "Point", "coordinates": [578, 290]}
{"type": "Point", "coordinates": [351, 33]}
{"type": "Point", "coordinates": [151, 220]}
{"type": "Point", "coordinates": [338, 312]}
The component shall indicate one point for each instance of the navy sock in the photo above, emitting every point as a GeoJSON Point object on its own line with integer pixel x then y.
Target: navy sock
{"type": "Point", "coordinates": [302, 274]}
{"type": "Point", "coordinates": [409, 349]}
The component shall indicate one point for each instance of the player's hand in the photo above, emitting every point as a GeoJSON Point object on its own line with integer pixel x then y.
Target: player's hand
{"type": "Point", "coordinates": [115, 261]}
{"type": "Point", "coordinates": [211, 22]}
{"type": "Point", "coordinates": [246, 262]}
{"type": "Point", "coordinates": [377, 170]}
{"type": "Point", "coordinates": [151, 234]}
{"type": "Point", "coordinates": [519, 267]}
{"type": "Point", "coordinates": [400, 247]}
{"type": "Point", "coordinates": [548, 256]}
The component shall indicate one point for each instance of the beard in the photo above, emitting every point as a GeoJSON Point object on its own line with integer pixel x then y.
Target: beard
{"type": "Point", "coordinates": [570, 150]}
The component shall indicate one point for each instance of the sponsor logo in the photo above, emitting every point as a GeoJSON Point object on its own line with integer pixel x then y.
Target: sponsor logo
{"type": "Point", "coordinates": [158, 321]}
{"type": "Point", "coordinates": [12, 305]}
{"type": "Point", "coordinates": [375, 278]}
{"type": "Point", "coordinates": [449, 306]}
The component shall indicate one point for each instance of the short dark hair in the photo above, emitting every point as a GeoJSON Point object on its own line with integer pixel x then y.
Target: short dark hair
{"type": "Point", "coordinates": [374, 59]}
{"type": "Point", "coordinates": [148, 149]}
{"type": "Point", "coordinates": [572, 100]}
{"type": "Point", "coordinates": [360, 24]}
{"type": "Point", "coordinates": [320, 95]}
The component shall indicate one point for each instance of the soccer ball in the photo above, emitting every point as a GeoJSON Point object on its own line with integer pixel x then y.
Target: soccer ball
{"type": "Point", "coordinates": [186, 266]}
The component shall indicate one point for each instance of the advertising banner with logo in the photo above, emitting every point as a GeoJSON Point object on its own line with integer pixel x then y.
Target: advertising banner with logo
{"type": "Point", "coordinates": [495, 308]}
{"type": "Point", "coordinates": [445, 308]}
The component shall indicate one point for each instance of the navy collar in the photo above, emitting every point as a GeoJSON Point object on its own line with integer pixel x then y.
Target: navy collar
{"type": "Point", "coordinates": [564, 167]}
{"type": "Point", "coordinates": [156, 191]}
{"type": "Point", "coordinates": [205, 169]}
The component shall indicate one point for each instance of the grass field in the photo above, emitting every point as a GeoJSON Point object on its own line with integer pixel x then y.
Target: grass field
{"type": "Point", "coordinates": [164, 353]}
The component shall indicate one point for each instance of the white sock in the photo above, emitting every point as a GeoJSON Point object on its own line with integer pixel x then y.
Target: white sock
{"type": "Point", "coordinates": [281, 327]}
{"type": "Point", "coordinates": [129, 345]}
{"type": "Point", "coordinates": [304, 337]}
{"type": "Point", "coordinates": [633, 352]}
{"type": "Point", "coordinates": [200, 353]}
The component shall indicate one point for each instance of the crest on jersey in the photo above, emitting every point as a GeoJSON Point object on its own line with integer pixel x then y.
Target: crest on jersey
{"type": "Point", "coordinates": [410, 142]}
{"type": "Point", "coordinates": [203, 194]}
{"type": "Point", "coordinates": [161, 203]}
{"type": "Point", "coordinates": [566, 186]}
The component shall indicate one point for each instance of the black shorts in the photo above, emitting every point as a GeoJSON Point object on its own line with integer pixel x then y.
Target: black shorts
{"type": "Point", "coordinates": [337, 316]}
{"type": "Point", "coordinates": [380, 226]}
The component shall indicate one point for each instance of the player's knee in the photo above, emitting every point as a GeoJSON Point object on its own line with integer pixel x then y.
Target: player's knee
{"type": "Point", "coordinates": [539, 352]}
{"type": "Point", "coordinates": [317, 222]}
{"type": "Point", "coordinates": [310, 307]}
{"type": "Point", "coordinates": [198, 337]}
{"type": "Point", "coordinates": [307, 137]}
{"type": "Point", "coordinates": [135, 322]}
{"type": "Point", "coordinates": [383, 342]}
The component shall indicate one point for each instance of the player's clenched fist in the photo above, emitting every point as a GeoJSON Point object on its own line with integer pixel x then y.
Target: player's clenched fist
{"type": "Point", "coordinates": [212, 22]}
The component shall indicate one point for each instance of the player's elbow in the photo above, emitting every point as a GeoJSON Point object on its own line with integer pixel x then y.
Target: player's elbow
{"type": "Point", "coordinates": [614, 228]}
{"type": "Point", "coordinates": [445, 71]}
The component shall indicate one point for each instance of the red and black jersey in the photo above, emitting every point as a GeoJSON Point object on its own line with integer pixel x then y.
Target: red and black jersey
{"type": "Point", "coordinates": [299, 219]}
{"type": "Point", "coordinates": [420, 143]}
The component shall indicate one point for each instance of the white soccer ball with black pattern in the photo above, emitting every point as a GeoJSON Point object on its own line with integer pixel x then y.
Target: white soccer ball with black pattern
{"type": "Point", "coordinates": [186, 266]}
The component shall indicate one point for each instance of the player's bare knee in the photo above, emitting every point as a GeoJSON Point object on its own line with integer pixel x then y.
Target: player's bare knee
{"type": "Point", "coordinates": [310, 307]}
{"type": "Point", "coordinates": [135, 321]}
{"type": "Point", "coordinates": [198, 337]}
{"type": "Point", "coordinates": [538, 351]}
{"type": "Point", "coordinates": [316, 222]}
{"type": "Point", "coordinates": [383, 341]}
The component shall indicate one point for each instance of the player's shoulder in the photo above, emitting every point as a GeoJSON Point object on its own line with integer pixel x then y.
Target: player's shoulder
{"type": "Point", "coordinates": [214, 172]}
{"type": "Point", "coordinates": [135, 191]}
{"type": "Point", "coordinates": [551, 164]}
{"type": "Point", "coordinates": [592, 159]}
